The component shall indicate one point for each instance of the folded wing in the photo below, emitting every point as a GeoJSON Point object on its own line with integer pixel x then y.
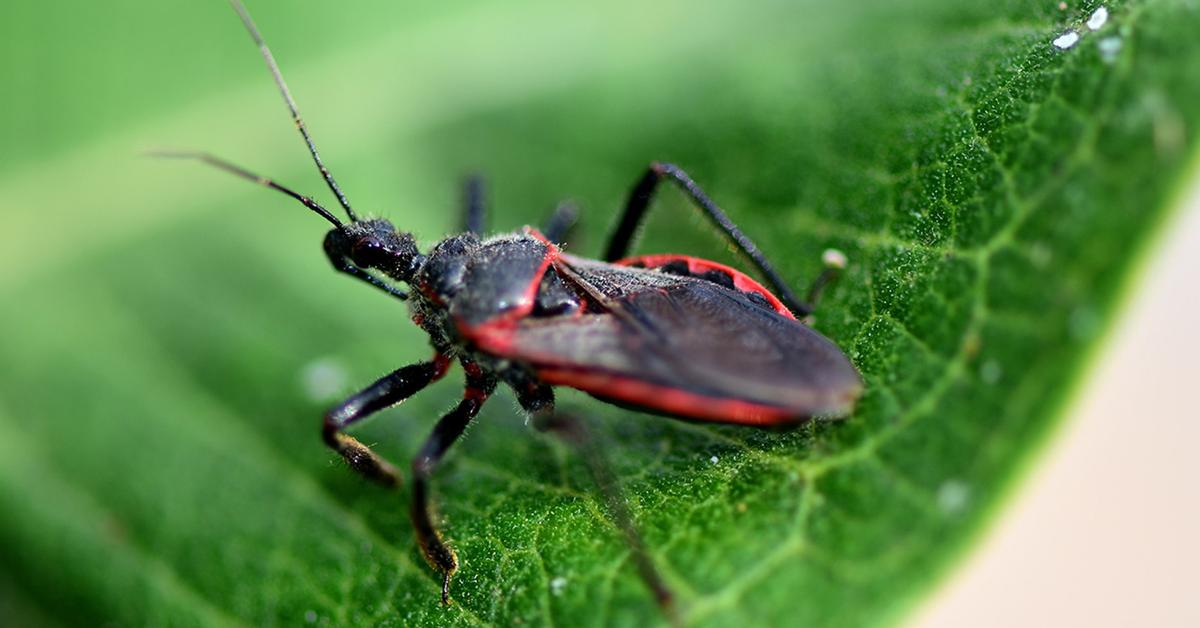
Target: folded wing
{"type": "Point", "coordinates": [688, 347]}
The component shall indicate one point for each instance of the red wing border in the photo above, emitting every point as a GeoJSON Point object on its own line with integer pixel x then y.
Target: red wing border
{"type": "Point", "coordinates": [629, 391]}
{"type": "Point", "coordinates": [680, 346]}
{"type": "Point", "coordinates": [698, 267]}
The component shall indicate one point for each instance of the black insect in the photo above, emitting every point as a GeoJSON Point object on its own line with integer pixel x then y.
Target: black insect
{"type": "Point", "coordinates": [668, 334]}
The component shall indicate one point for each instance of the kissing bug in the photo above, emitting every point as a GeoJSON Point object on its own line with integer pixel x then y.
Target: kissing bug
{"type": "Point", "coordinates": [668, 334]}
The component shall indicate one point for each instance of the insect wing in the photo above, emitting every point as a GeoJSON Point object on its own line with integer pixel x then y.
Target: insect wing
{"type": "Point", "coordinates": [687, 347]}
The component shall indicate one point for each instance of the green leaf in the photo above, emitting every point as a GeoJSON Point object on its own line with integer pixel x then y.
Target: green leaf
{"type": "Point", "coordinates": [159, 459]}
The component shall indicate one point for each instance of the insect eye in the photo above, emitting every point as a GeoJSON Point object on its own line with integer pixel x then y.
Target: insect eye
{"type": "Point", "coordinates": [366, 252]}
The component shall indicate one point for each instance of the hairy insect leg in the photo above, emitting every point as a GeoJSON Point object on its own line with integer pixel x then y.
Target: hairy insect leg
{"type": "Point", "coordinates": [474, 205]}
{"type": "Point", "coordinates": [539, 402]}
{"type": "Point", "coordinates": [561, 223]}
{"type": "Point", "coordinates": [639, 201]}
{"type": "Point", "coordinates": [387, 391]}
{"type": "Point", "coordinates": [439, 555]}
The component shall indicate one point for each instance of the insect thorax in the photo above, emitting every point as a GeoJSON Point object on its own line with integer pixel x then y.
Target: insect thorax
{"type": "Point", "coordinates": [466, 283]}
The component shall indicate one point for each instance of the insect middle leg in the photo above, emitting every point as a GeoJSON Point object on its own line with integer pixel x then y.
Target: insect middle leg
{"type": "Point", "coordinates": [539, 402]}
{"type": "Point", "coordinates": [639, 201]}
{"type": "Point", "coordinates": [439, 555]}
{"type": "Point", "coordinates": [559, 227]}
{"type": "Point", "coordinates": [387, 391]}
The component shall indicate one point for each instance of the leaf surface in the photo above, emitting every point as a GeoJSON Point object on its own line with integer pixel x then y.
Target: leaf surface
{"type": "Point", "coordinates": [173, 336]}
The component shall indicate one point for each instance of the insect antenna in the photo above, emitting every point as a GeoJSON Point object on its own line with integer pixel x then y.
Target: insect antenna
{"type": "Point", "coordinates": [291, 104]}
{"type": "Point", "coordinates": [217, 162]}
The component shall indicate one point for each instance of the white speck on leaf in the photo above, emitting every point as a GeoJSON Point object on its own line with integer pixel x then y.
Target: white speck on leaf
{"type": "Point", "coordinates": [834, 258]}
{"type": "Point", "coordinates": [953, 495]}
{"type": "Point", "coordinates": [323, 378]}
{"type": "Point", "coordinates": [714, 460]}
{"type": "Point", "coordinates": [557, 585]}
{"type": "Point", "coordinates": [1040, 255]}
{"type": "Point", "coordinates": [1098, 18]}
{"type": "Point", "coordinates": [1109, 48]}
{"type": "Point", "coordinates": [1066, 40]}
{"type": "Point", "coordinates": [990, 372]}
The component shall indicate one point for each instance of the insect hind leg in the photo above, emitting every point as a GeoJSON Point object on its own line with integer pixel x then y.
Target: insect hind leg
{"type": "Point", "coordinates": [539, 402]}
{"type": "Point", "coordinates": [639, 201]}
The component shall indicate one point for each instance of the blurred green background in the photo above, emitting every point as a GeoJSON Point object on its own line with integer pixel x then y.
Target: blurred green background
{"type": "Point", "coordinates": [163, 323]}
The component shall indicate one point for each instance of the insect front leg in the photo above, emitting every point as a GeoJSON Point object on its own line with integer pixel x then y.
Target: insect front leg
{"type": "Point", "coordinates": [539, 402]}
{"type": "Point", "coordinates": [387, 391]}
{"type": "Point", "coordinates": [639, 201]}
{"type": "Point", "coordinates": [474, 213]}
{"type": "Point", "coordinates": [439, 555]}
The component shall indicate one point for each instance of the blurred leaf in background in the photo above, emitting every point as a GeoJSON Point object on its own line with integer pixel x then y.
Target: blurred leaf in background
{"type": "Point", "coordinates": [172, 335]}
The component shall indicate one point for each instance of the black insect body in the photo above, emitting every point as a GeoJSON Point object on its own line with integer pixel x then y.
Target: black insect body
{"type": "Point", "coordinates": [668, 334]}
